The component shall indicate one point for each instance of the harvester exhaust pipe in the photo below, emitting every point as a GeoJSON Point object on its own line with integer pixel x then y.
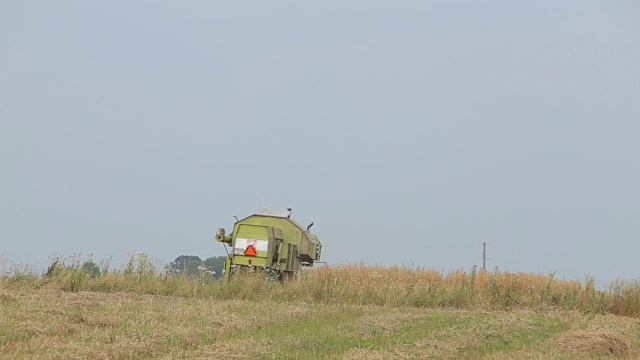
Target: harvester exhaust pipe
{"type": "Point", "coordinates": [309, 227]}
{"type": "Point", "coordinates": [222, 237]}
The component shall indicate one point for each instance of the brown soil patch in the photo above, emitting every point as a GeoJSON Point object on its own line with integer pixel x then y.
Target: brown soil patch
{"type": "Point", "coordinates": [597, 343]}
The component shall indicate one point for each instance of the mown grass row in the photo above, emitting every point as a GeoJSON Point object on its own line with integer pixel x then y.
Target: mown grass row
{"type": "Point", "coordinates": [348, 284]}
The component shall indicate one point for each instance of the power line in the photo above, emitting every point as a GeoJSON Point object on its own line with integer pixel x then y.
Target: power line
{"type": "Point", "coordinates": [565, 255]}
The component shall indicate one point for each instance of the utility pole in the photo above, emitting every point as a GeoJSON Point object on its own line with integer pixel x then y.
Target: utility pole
{"type": "Point", "coordinates": [484, 256]}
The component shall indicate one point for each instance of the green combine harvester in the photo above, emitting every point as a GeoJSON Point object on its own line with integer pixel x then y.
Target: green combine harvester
{"type": "Point", "coordinates": [269, 241]}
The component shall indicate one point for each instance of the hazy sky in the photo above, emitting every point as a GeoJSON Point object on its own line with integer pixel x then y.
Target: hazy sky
{"type": "Point", "coordinates": [409, 132]}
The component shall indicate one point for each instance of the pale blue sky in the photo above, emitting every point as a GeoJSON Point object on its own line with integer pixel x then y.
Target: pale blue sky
{"type": "Point", "coordinates": [409, 132]}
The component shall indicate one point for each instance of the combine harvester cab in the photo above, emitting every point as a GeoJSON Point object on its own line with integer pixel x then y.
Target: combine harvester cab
{"type": "Point", "coordinates": [270, 240]}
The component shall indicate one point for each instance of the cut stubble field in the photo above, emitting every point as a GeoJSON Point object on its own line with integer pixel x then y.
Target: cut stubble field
{"type": "Point", "coordinates": [90, 325]}
{"type": "Point", "coordinates": [349, 312]}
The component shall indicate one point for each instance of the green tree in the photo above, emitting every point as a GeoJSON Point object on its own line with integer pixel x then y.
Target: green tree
{"type": "Point", "coordinates": [92, 268]}
{"type": "Point", "coordinates": [186, 265]}
{"type": "Point", "coordinates": [215, 265]}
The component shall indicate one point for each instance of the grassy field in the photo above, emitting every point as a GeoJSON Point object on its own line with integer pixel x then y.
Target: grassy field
{"type": "Point", "coordinates": [343, 312]}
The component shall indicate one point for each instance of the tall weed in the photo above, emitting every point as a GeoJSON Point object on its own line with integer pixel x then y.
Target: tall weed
{"type": "Point", "coordinates": [356, 284]}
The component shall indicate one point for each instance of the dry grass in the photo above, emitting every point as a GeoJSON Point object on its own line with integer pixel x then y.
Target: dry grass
{"type": "Point", "coordinates": [369, 326]}
{"type": "Point", "coordinates": [56, 324]}
{"type": "Point", "coordinates": [117, 325]}
{"type": "Point", "coordinates": [340, 312]}
{"type": "Point", "coordinates": [398, 286]}
{"type": "Point", "coordinates": [354, 285]}
{"type": "Point", "coordinates": [598, 343]}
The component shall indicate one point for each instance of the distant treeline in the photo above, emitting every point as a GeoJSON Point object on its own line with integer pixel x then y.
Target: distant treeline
{"type": "Point", "coordinates": [183, 265]}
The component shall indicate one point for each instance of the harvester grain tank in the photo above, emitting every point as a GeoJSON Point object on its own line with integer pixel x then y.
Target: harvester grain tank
{"type": "Point", "coordinates": [269, 240]}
